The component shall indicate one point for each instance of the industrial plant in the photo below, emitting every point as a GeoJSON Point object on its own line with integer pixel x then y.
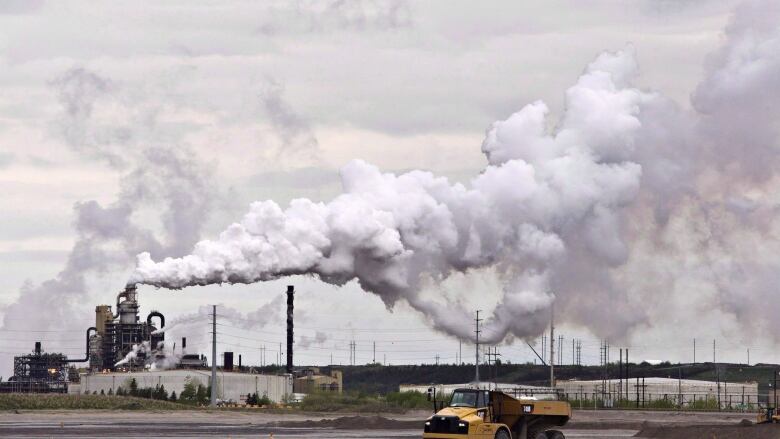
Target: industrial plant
{"type": "Point", "coordinates": [121, 347]}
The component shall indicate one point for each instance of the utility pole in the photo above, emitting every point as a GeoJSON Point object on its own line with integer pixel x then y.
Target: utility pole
{"type": "Point", "coordinates": [572, 352]}
{"type": "Point", "coordinates": [560, 349]}
{"type": "Point", "coordinates": [748, 363]}
{"type": "Point", "coordinates": [717, 371]}
{"type": "Point", "coordinates": [626, 373]}
{"type": "Point", "coordinates": [552, 348]}
{"type": "Point", "coordinates": [477, 331]}
{"type": "Point", "coordinates": [214, 356]}
{"type": "Point", "coordinates": [374, 360]}
{"type": "Point", "coordinates": [460, 351]}
{"type": "Point", "coordinates": [694, 351]}
{"type": "Point", "coordinates": [620, 373]}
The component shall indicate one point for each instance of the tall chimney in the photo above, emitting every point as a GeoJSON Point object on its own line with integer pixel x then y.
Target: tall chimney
{"type": "Point", "coordinates": [184, 343]}
{"type": "Point", "coordinates": [37, 348]}
{"type": "Point", "coordinates": [290, 294]}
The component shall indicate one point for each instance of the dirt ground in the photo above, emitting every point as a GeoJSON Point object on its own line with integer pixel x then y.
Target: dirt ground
{"type": "Point", "coordinates": [712, 432]}
{"type": "Point", "coordinates": [296, 425]}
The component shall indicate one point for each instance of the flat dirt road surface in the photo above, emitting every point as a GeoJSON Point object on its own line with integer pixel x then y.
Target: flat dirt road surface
{"type": "Point", "coordinates": [260, 424]}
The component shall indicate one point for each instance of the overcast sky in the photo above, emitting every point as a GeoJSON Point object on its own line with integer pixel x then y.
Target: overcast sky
{"type": "Point", "coordinates": [267, 100]}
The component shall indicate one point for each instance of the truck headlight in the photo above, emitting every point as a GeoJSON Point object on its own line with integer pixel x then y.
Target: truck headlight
{"type": "Point", "coordinates": [463, 427]}
{"type": "Point", "coordinates": [427, 428]}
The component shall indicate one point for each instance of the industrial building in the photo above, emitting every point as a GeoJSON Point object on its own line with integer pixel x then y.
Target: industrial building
{"type": "Point", "coordinates": [310, 379]}
{"type": "Point", "coordinates": [230, 385]}
{"type": "Point", "coordinates": [120, 333]}
{"type": "Point", "coordinates": [41, 372]}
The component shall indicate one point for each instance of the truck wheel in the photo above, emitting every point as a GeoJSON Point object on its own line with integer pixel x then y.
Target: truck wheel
{"type": "Point", "coordinates": [534, 433]}
{"type": "Point", "coordinates": [502, 434]}
{"type": "Point", "coordinates": [554, 434]}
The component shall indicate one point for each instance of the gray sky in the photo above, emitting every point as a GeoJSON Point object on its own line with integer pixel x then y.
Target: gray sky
{"type": "Point", "coordinates": [269, 100]}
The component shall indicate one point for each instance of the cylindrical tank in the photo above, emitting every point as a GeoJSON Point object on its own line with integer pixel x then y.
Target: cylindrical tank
{"type": "Point", "coordinates": [128, 309]}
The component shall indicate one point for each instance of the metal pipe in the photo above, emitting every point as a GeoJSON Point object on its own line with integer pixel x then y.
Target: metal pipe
{"type": "Point", "coordinates": [81, 360]}
{"type": "Point", "coordinates": [156, 314]}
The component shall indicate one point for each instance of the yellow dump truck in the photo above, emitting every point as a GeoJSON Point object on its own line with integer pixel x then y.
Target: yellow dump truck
{"type": "Point", "coordinates": [492, 414]}
{"type": "Point", "coordinates": [768, 416]}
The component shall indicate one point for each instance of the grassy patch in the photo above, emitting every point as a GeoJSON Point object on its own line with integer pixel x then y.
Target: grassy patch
{"type": "Point", "coordinates": [364, 403]}
{"type": "Point", "coordinates": [23, 401]}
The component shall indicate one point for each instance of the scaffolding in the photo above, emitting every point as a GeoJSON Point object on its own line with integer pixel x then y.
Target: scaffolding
{"type": "Point", "coordinates": [38, 372]}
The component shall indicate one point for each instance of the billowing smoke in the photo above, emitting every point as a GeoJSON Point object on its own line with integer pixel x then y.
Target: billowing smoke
{"type": "Point", "coordinates": [140, 349]}
{"type": "Point", "coordinates": [543, 198]}
{"type": "Point", "coordinates": [583, 211]}
{"type": "Point", "coordinates": [165, 357]}
{"type": "Point", "coordinates": [98, 122]}
{"type": "Point", "coordinates": [306, 341]}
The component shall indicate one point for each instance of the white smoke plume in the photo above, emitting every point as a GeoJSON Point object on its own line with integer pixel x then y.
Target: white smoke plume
{"type": "Point", "coordinates": [584, 211]}
{"type": "Point", "coordinates": [142, 348]}
{"type": "Point", "coordinates": [306, 341]}
{"type": "Point", "coordinates": [541, 193]}
{"type": "Point", "coordinates": [99, 121]}
{"type": "Point", "coordinates": [165, 357]}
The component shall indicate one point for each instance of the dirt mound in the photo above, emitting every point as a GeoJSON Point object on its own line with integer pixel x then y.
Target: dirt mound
{"type": "Point", "coordinates": [744, 430]}
{"type": "Point", "coordinates": [354, 423]}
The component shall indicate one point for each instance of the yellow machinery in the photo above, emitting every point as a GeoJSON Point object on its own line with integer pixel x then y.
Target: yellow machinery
{"type": "Point", "coordinates": [768, 416]}
{"type": "Point", "coordinates": [491, 414]}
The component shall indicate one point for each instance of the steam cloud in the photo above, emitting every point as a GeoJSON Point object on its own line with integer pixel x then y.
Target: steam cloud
{"type": "Point", "coordinates": [107, 236]}
{"type": "Point", "coordinates": [578, 215]}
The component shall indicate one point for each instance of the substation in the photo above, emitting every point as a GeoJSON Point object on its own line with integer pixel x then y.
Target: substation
{"type": "Point", "coordinates": [122, 347]}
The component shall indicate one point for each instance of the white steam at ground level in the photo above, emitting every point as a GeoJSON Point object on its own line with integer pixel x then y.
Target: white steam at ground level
{"type": "Point", "coordinates": [584, 212]}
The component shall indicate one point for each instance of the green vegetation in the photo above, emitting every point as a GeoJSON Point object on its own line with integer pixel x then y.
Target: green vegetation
{"type": "Point", "coordinates": [262, 401]}
{"type": "Point", "coordinates": [411, 400]}
{"type": "Point", "coordinates": [195, 393]}
{"type": "Point", "coordinates": [364, 402]}
{"type": "Point", "coordinates": [38, 401]}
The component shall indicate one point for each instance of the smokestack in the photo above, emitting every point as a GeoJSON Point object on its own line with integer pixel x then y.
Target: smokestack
{"type": "Point", "coordinates": [228, 361]}
{"type": "Point", "coordinates": [239, 361]}
{"type": "Point", "coordinates": [290, 294]}
{"type": "Point", "coordinates": [37, 348]}
{"type": "Point", "coordinates": [183, 342]}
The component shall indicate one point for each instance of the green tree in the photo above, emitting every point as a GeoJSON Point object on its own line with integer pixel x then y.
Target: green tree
{"type": "Point", "coordinates": [202, 396]}
{"type": "Point", "coordinates": [110, 391]}
{"type": "Point", "coordinates": [120, 391]}
{"type": "Point", "coordinates": [102, 392]}
{"type": "Point", "coordinates": [133, 387]}
{"type": "Point", "coordinates": [173, 397]}
{"type": "Point", "coordinates": [188, 395]}
{"type": "Point", "coordinates": [263, 401]}
{"type": "Point", "coordinates": [160, 393]}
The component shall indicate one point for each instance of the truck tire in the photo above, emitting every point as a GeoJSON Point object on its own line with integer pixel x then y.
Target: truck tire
{"type": "Point", "coordinates": [502, 434]}
{"type": "Point", "coordinates": [536, 433]}
{"type": "Point", "coordinates": [554, 434]}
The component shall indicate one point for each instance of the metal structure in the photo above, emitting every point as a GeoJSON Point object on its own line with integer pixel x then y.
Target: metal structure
{"type": "Point", "coordinates": [41, 372]}
{"type": "Point", "coordinates": [118, 333]}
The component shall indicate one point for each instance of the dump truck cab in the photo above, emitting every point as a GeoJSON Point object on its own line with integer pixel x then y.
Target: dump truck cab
{"type": "Point", "coordinates": [493, 414]}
